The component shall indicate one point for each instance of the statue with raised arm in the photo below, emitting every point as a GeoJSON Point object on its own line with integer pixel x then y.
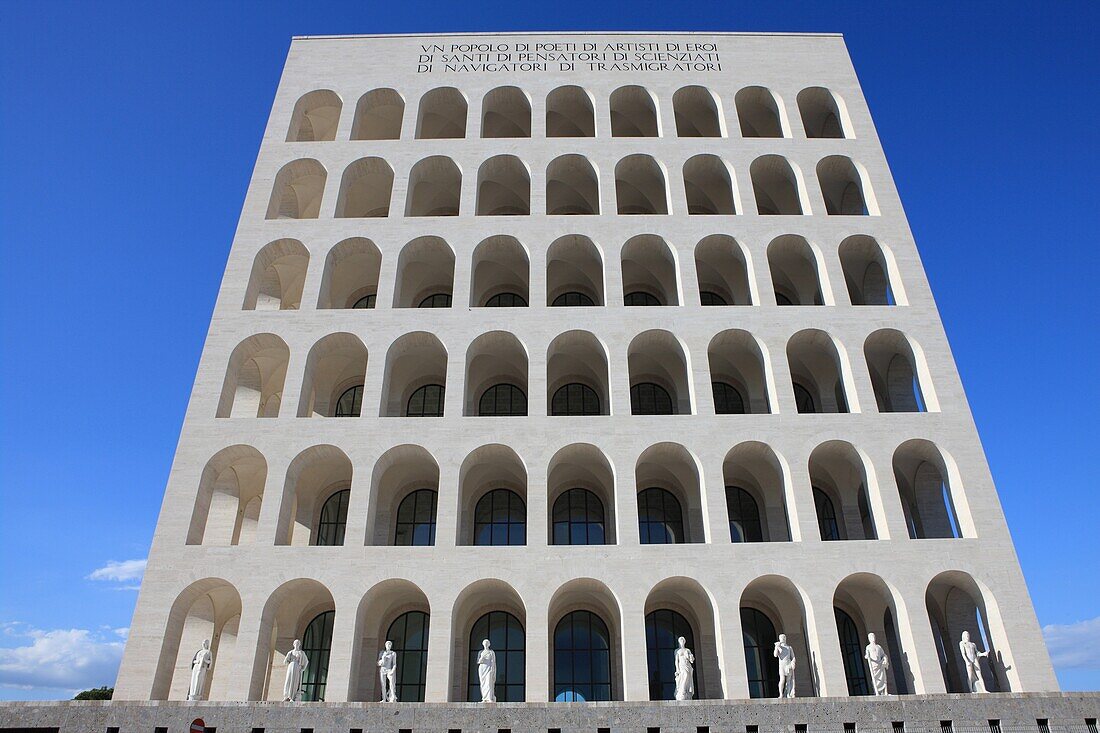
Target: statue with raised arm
{"type": "Point", "coordinates": [878, 662]}
{"type": "Point", "coordinates": [972, 659]}
{"type": "Point", "coordinates": [487, 672]}
{"type": "Point", "coordinates": [785, 654]}
{"type": "Point", "coordinates": [685, 672]}
{"type": "Point", "coordinates": [387, 671]}
{"type": "Point", "coordinates": [296, 662]}
{"type": "Point", "coordinates": [200, 663]}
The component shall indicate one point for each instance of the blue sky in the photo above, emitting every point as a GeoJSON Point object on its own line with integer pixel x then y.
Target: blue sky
{"type": "Point", "coordinates": [129, 132]}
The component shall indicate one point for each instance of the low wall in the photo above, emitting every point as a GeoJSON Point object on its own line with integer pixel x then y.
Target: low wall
{"type": "Point", "coordinates": [1017, 713]}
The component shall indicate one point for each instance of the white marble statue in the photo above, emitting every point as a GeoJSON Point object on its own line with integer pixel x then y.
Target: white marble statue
{"type": "Point", "coordinates": [878, 662]}
{"type": "Point", "coordinates": [685, 672]}
{"type": "Point", "coordinates": [296, 662]}
{"type": "Point", "coordinates": [387, 670]}
{"type": "Point", "coordinates": [785, 654]}
{"type": "Point", "coordinates": [972, 659]}
{"type": "Point", "coordinates": [487, 672]}
{"type": "Point", "coordinates": [200, 663]}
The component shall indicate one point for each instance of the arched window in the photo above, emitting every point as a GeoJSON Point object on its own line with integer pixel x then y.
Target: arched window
{"type": "Point", "coordinates": [572, 299]}
{"type": "Point", "coordinates": [569, 113]}
{"type": "Point", "coordinates": [826, 516]}
{"type": "Point", "coordinates": [744, 516]}
{"type": "Point", "coordinates": [502, 400]}
{"type": "Point", "coordinates": [578, 519]}
{"type": "Point", "coordinates": [437, 300]}
{"type": "Point", "coordinates": [317, 643]}
{"type": "Point", "coordinates": [852, 651]}
{"type": "Point", "coordinates": [409, 634]}
{"type": "Point", "coordinates": [416, 520]}
{"type": "Point", "coordinates": [500, 518]}
{"type": "Point", "coordinates": [759, 638]}
{"type": "Point", "coordinates": [803, 399]}
{"type": "Point", "coordinates": [506, 300]}
{"type": "Point", "coordinates": [727, 400]}
{"type": "Point", "coordinates": [582, 659]}
{"type": "Point", "coordinates": [647, 398]}
{"type": "Point", "coordinates": [334, 519]}
{"type": "Point", "coordinates": [660, 519]}
{"type": "Point", "coordinates": [506, 637]}
{"type": "Point", "coordinates": [575, 399]}
{"type": "Point", "coordinates": [663, 629]}
{"type": "Point", "coordinates": [707, 297]}
{"type": "Point", "coordinates": [640, 297]}
{"type": "Point", "coordinates": [427, 401]}
{"type": "Point", "coordinates": [350, 402]}
{"type": "Point", "coordinates": [367, 301]}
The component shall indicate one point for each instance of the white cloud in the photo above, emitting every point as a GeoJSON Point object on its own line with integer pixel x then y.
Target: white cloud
{"type": "Point", "coordinates": [61, 659]}
{"type": "Point", "coordinates": [120, 572]}
{"type": "Point", "coordinates": [1074, 646]}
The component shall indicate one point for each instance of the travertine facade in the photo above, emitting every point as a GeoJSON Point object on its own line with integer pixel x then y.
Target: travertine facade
{"type": "Point", "coordinates": [706, 226]}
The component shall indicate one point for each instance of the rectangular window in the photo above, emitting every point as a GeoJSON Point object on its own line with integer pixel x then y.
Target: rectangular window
{"type": "Point", "coordinates": [898, 726]}
{"type": "Point", "coordinates": [653, 730]}
{"type": "Point", "coordinates": [799, 728]}
{"type": "Point", "coordinates": [702, 729]}
{"type": "Point", "coordinates": [752, 729]}
{"type": "Point", "coordinates": [849, 728]}
{"type": "Point", "coordinates": [994, 725]}
{"type": "Point", "coordinates": [1090, 723]}
{"type": "Point", "coordinates": [112, 729]}
{"type": "Point", "coordinates": [946, 727]}
{"type": "Point", "coordinates": [160, 729]}
{"type": "Point", "coordinates": [1043, 724]}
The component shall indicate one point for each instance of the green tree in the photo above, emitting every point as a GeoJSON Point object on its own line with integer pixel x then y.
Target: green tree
{"type": "Point", "coordinates": [98, 693]}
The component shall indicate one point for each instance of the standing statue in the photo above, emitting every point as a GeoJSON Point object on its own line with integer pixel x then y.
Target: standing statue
{"type": "Point", "coordinates": [487, 672]}
{"type": "Point", "coordinates": [878, 662]}
{"type": "Point", "coordinates": [199, 664]}
{"type": "Point", "coordinates": [296, 662]}
{"type": "Point", "coordinates": [971, 658]}
{"type": "Point", "coordinates": [685, 672]}
{"type": "Point", "coordinates": [785, 654]}
{"type": "Point", "coordinates": [387, 670]}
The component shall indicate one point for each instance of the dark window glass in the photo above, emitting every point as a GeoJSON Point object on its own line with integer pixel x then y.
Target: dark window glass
{"type": "Point", "coordinates": [781, 299]}
{"type": "Point", "coordinates": [640, 297]}
{"type": "Point", "coordinates": [334, 519]}
{"type": "Point", "coordinates": [367, 301]}
{"type": "Point", "coordinates": [852, 651]}
{"type": "Point", "coordinates": [506, 638]}
{"type": "Point", "coordinates": [744, 515]}
{"type": "Point", "coordinates": [708, 297]}
{"type": "Point", "coordinates": [663, 629]}
{"type": "Point", "coordinates": [578, 519]}
{"type": "Point", "coordinates": [506, 300]}
{"type": "Point", "coordinates": [502, 400]}
{"type": "Point", "coordinates": [317, 644]}
{"type": "Point", "coordinates": [759, 638]}
{"type": "Point", "coordinates": [826, 516]}
{"type": "Point", "coordinates": [575, 399]}
{"type": "Point", "coordinates": [439, 300]}
{"type": "Point", "coordinates": [660, 519]}
{"type": "Point", "coordinates": [582, 659]}
{"type": "Point", "coordinates": [727, 400]}
{"type": "Point", "coordinates": [647, 398]}
{"type": "Point", "coordinates": [416, 519]}
{"type": "Point", "coordinates": [427, 401]}
{"type": "Point", "coordinates": [572, 299]}
{"type": "Point", "coordinates": [803, 399]}
{"type": "Point", "coordinates": [350, 403]}
{"type": "Point", "coordinates": [500, 518]}
{"type": "Point", "coordinates": [409, 634]}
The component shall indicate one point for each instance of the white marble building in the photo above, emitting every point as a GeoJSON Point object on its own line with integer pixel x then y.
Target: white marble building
{"type": "Point", "coordinates": [692, 381]}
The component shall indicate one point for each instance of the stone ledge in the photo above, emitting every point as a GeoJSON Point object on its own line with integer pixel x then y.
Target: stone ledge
{"type": "Point", "coordinates": [1017, 713]}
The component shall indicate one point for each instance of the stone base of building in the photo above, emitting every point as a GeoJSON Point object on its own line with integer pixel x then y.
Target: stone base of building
{"type": "Point", "coordinates": [1012, 712]}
